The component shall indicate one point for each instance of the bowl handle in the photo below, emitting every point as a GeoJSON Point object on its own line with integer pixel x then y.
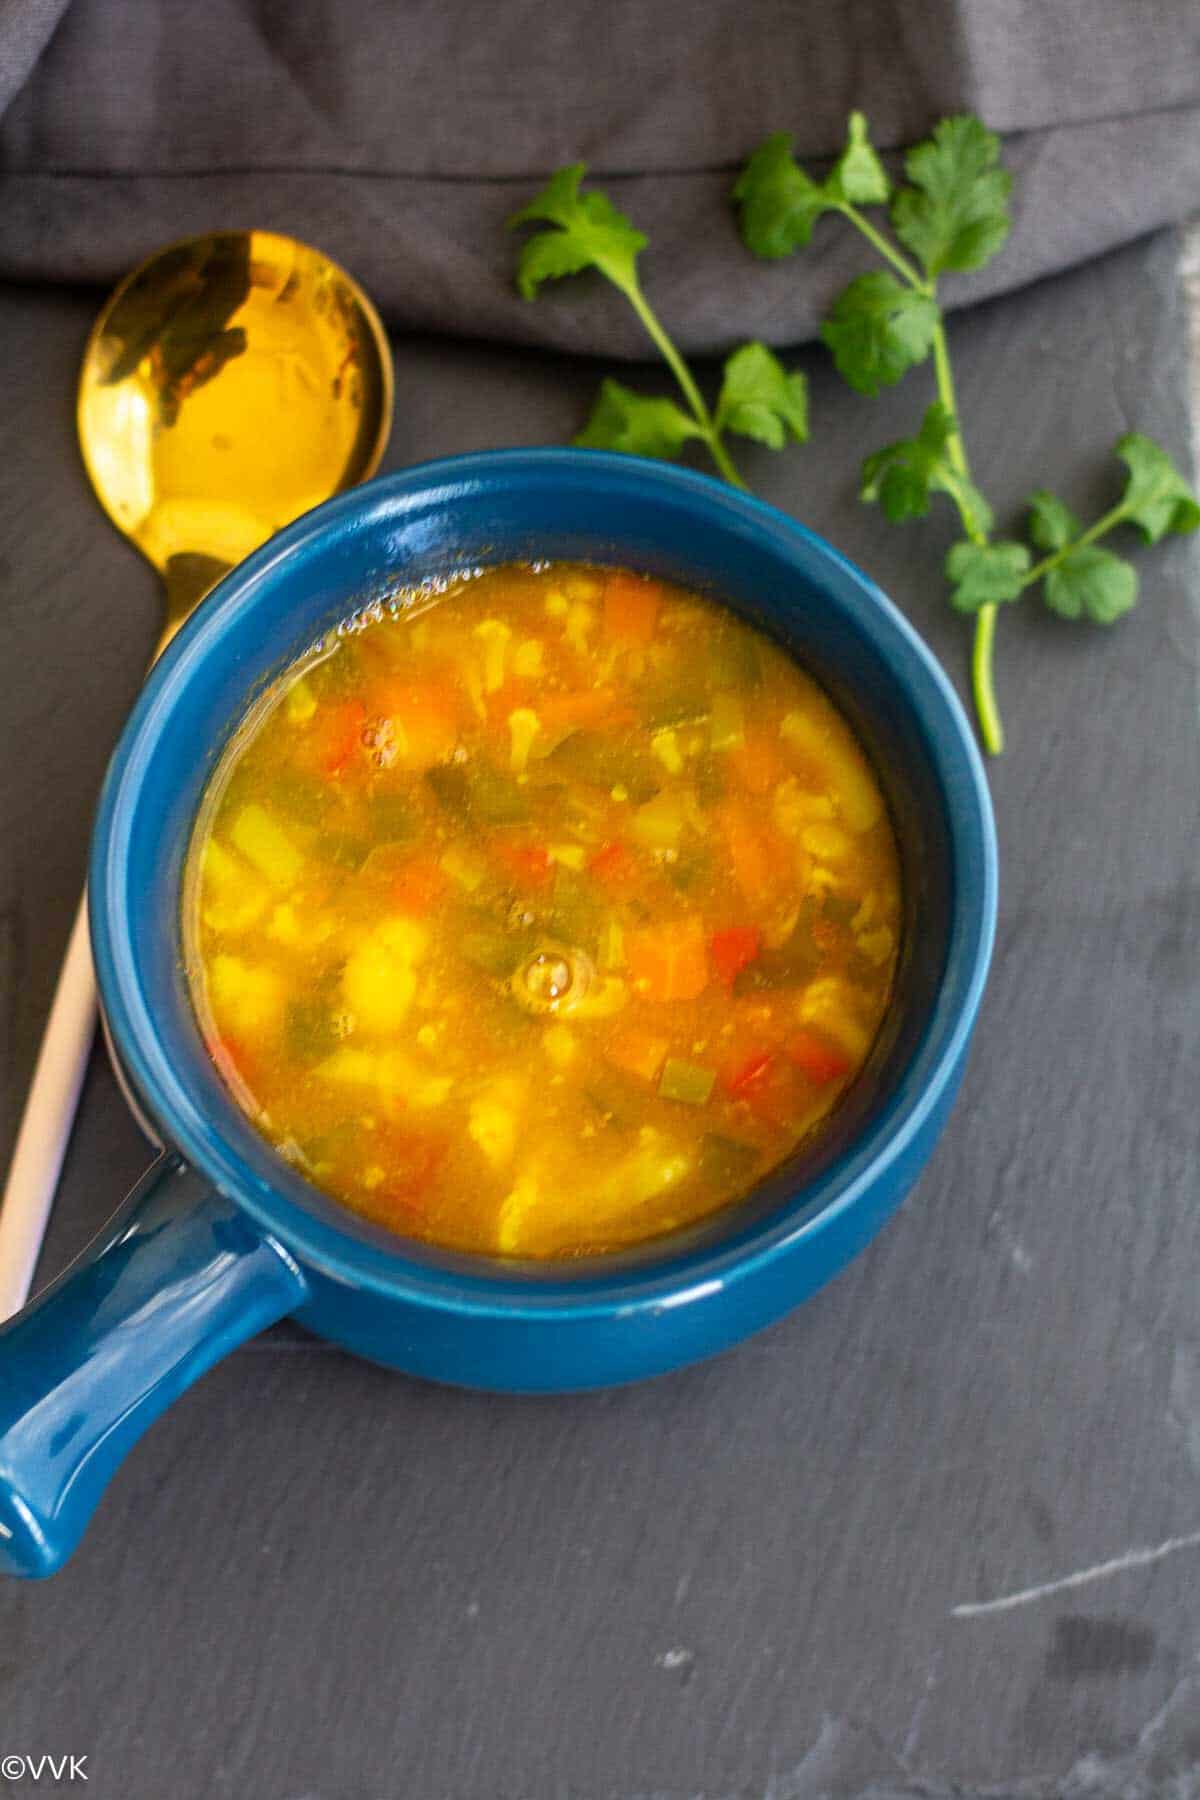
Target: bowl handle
{"type": "Point", "coordinates": [177, 1279]}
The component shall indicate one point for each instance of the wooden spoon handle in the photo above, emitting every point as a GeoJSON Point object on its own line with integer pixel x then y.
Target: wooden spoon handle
{"type": "Point", "coordinates": [46, 1122]}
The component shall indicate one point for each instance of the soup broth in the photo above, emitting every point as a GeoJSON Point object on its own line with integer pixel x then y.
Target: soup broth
{"type": "Point", "coordinates": [543, 914]}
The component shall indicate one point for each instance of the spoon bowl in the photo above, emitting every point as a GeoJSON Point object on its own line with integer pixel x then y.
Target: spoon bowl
{"type": "Point", "coordinates": [231, 383]}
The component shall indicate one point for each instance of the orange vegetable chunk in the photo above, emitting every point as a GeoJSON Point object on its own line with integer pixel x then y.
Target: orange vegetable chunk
{"type": "Point", "coordinates": [669, 962]}
{"type": "Point", "coordinates": [631, 608]}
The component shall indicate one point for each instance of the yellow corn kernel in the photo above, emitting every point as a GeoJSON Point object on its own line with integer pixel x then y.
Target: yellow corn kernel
{"type": "Point", "coordinates": [300, 704]}
{"type": "Point", "coordinates": [246, 997]}
{"type": "Point", "coordinates": [494, 635]}
{"type": "Point", "coordinates": [829, 1002]}
{"type": "Point", "coordinates": [665, 746]}
{"type": "Point", "coordinates": [877, 945]}
{"type": "Point", "coordinates": [264, 842]}
{"type": "Point", "coordinates": [829, 843]}
{"type": "Point", "coordinates": [232, 899]}
{"type": "Point", "coordinates": [580, 622]}
{"type": "Point", "coordinates": [492, 1123]}
{"type": "Point", "coordinates": [514, 1209]}
{"type": "Point", "coordinates": [523, 727]}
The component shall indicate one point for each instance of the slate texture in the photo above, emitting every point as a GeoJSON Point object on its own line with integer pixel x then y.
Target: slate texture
{"type": "Point", "coordinates": [316, 1581]}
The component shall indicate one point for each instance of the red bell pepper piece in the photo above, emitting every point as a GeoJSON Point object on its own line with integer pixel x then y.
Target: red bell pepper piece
{"type": "Point", "coordinates": [817, 1058]}
{"type": "Point", "coordinates": [612, 864]}
{"type": "Point", "coordinates": [528, 864]}
{"type": "Point", "coordinates": [732, 949]}
{"type": "Point", "coordinates": [749, 1077]}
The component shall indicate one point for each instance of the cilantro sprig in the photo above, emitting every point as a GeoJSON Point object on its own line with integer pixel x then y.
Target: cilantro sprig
{"type": "Point", "coordinates": [951, 216]}
{"type": "Point", "coordinates": [947, 217]}
{"type": "Point", "coordinates": [758, 399]}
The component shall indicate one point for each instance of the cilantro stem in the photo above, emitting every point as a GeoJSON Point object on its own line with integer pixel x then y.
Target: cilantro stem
{"type": "Point", "coordinates": [983, 687]}
{"type": "Point", "coordinates": [687, 386]}
{"type": "Point", "coordinates": [991, 730]}
{"type": "Point", "coordinates": [888, 251]}
{"type": "Point", "coordinates": [1103, 524]}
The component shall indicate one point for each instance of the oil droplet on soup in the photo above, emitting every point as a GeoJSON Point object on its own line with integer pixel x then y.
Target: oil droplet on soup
{"type": "Point", "coordinates": [543, 916]}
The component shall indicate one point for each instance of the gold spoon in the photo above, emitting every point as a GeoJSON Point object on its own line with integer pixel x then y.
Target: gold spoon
{"type": "Point", "coordinates": [232, 382]}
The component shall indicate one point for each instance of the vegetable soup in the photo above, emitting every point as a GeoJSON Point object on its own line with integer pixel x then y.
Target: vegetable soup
{"type": "Point", "coordinates": [542, 912]}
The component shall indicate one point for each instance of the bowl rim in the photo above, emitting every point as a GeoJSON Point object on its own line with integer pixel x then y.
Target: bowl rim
{"type": "Point", "coordinates": [682, 1274]}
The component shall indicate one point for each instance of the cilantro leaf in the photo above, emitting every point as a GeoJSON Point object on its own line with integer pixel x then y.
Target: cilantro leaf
{"type": "Point", "coordinates": [858, 174]}
{"type": "Point", "coordinates": [984, 574]}
{"type": "Point", "coordinates": [1157, 499]}
{"type": "Point", "coordinates": [903, 475]}
{"type": "Point", "coordinates": [955, 214]}
{"type": "Point", "coordinates": [639, 424]}
{"type": "Point", "coordinates": [878, 330]}
{"type": "Point", "coordinates": [779, 203]}
{"type": "Point", "coordinates": [759, 399]}
{"type": "Point", "coordinates": [587, 232]}
{"type": "Point", "coordinates": [1052, 524]}
{"type": "Point", "coordinates": [1091, 583]}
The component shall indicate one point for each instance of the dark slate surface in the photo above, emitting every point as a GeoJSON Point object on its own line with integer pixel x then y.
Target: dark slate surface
{"type": "Point", "coordinates": [316, 1581]}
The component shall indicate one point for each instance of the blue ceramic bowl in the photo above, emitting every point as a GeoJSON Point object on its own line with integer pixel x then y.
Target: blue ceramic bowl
{"type": "Point", "coordinates": [221, 1237]}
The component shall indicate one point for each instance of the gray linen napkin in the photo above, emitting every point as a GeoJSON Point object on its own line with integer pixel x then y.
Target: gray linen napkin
{"type": "Point", "coordinates": [399, 137]}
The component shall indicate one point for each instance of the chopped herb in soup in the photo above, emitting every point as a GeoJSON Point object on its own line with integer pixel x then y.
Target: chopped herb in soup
{"type": "Point", "coordinates": [543, 915]}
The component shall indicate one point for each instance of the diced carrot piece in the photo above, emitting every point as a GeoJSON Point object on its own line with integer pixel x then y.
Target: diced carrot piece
{"type": "Point", "coordinates": [817, 1058]}
{"type": "Point", "coordinates": [527, 864]}
{"type": "Point", "coordinates": [745, 1077]}
{"type": "Point", "coordinates": [750, 858]}
{"type": "Point", "coordinates": [424, 722]}
{"type": "Point", "coordinates": [757, 763]}
{"type": "Point", "coordinates": [614, 865]}
{"type": "Point", "coordinates": [732, 949]}
{"type": "Point", "coordinates": [631, 606]}
{"type": "Point", "coordinates": [334, 736]}
{"type": "Point", "coordinates": [412, 1163]}
{"type": "Point", "coordinates": [669, 962]}
{"type": "Point", "coordinates": [560, 713]}
{"type": "Point", "coordinates": [418, 885]}
{"type": "Point", "coordinates": [637, 1052]}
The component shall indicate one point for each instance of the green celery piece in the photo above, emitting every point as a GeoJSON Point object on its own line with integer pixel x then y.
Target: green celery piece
{"type": "Point", "coordinates": [590, 757]}
{"type": "Point", "coordinates": [345, 848]}
{"type": "Point", "coordinates": [789, 965]}
{"type": "Point", "coordinates": [479, 794]}
{"type": "Point", "coordinates": [497, 953]}
{"type": "Point", "coordinates": [309, 1030]}
{"type": "Point", "coordinates": [689, 1082]}
{"type": "Point", "coordinates": [726, 1162]}
{"type": "Point", "coordinates": [393, 817]}
{"type": "Point", "coordinates": [733, 659]}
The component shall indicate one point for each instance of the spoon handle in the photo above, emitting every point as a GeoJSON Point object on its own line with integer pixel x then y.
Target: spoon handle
{"type": "Point", "coordinates": [46, 1122]}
